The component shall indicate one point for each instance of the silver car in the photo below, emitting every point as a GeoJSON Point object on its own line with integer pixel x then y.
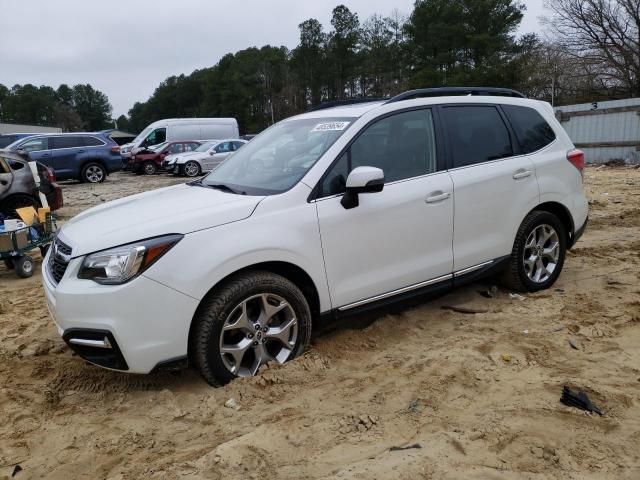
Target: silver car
{"type": "Point", "coordinates": [193, 164]}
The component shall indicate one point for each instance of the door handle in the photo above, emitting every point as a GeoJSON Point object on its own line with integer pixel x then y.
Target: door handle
{"type": "Point", "coordinates": [80, 151]}
{"type": "Point", "coordinates": [523, 174]}
{"type": "Point", "coordinates": [45, 155]}
{"type": "Point", "coordinates": [439, 197]}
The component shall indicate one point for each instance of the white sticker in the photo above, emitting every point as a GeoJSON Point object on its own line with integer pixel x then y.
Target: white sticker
{"type": "Point", "coordinates": [331, 127]}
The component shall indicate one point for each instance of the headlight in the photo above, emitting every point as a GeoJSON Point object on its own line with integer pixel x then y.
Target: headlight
{"type": "Point", "coordinates": [121, 264]}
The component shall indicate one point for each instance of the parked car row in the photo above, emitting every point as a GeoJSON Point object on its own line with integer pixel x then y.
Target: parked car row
{"type": "Point", "coordinates": [189, 158]}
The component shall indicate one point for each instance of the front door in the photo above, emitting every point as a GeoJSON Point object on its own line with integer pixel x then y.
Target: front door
{"type": "Point", "coordinates": [397, 239]}
{"type": "Point", "coordinates": [38, 150]}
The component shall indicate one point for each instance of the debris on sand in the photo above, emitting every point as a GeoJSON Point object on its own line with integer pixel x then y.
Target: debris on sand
{"type": "Point", "coordinates": [231, 403]}
{"type": "Point", "coordinates": [407, 447]}
{"type": "Point", "coordinates": [465, 310]}
{"type": "Point", "coordinates": [578, 400]}
{"type": "Point", "coordinates": [574, 344]}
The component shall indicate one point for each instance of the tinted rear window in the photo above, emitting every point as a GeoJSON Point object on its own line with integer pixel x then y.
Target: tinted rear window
{"type": "Point", "coordinates": [477, 134]}
{"type": "Point", "coordinates": [66, 142]}
{"type": "Point", "coordinates": [532, 130]}
{"type": "Point", "coordinates": [92, 141]}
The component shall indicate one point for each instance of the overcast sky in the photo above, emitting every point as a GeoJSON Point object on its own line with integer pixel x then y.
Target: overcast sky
{"type": "Point", "coordinates": [126, 48]}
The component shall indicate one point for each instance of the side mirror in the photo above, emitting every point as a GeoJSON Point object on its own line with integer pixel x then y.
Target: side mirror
{"type": "Point", "coordinates": [362, 180]}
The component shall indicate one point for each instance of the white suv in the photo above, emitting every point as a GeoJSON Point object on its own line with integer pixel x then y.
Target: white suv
{"type": "Point", "coordinates": [326, 213]}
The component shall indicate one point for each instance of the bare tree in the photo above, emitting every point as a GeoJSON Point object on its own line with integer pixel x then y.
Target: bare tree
{"type": "Point", "coordinates": [604, 34]}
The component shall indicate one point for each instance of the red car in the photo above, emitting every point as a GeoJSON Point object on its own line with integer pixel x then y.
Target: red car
{"type": "Point", "coordinates": [149, 161]}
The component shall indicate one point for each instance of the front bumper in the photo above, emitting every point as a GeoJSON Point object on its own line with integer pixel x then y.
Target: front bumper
{"type": "Point", "coordinates": [144, 322]}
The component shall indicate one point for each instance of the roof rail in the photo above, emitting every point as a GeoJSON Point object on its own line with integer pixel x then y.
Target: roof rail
{"type": "Point", "coordinates": [339, 103]}
{"type": "Point", "coordinates": [452, 91]}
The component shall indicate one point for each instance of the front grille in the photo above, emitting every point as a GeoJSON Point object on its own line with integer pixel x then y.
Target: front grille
{"type": "Point", "coordinates": [58, 260]}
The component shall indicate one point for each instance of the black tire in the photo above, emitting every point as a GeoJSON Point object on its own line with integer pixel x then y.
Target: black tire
{"type": "Point", "coordinates": [150, 168]}
{"type": "Point", "coordinates": [219, 304]}
{"type": "Point", "coordinates": [8, 263]}
{"type": "Point", "coordinates": [515, 276]}
{"type": "Point", "coordinates": [93, 172]}
{"type": "Point", "coordinates": [24, 266]}
{"type": "Point", "coordinates": [194, 171]}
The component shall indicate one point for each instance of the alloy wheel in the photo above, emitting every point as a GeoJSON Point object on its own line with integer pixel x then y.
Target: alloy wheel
{"type": "Point", "coordinates": [191, 169]}
{"type": "Point", "coordinates": [541, 253]}
{"type": "Point", "coordinates": [262, 328]}
{"type": "Point", "coordinates": [94, 174]}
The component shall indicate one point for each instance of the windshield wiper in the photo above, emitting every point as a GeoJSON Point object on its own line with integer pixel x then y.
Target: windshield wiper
{"type": "Point", "coordinates": [224, 188]}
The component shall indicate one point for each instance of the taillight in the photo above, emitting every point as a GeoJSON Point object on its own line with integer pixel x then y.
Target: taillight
{"type": "Point", "coordinates": [51, 175]}
{"type": "Point", "coordinates": [115, 149]}
{"type": "Point", "coordinates": [576, 157]}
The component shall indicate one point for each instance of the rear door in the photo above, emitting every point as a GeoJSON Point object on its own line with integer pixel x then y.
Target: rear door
{"type": "Point", "coordinates": [494, 185]}
{"type": "Point", "coordinates": [67, 153]}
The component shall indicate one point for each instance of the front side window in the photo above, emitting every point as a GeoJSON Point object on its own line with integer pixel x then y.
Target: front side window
{"type": "Point", "coordinates": [533, 131]}
{"type": "Point", "coordinates": [224, 147]}
{"type": "Point", "coordinates": [402, 145]}
{"type": "Point", "coordinates": [66, 142]}
{"type": "Point", "coordinates": [159, 135]}
{"type": "Point", "coordinates": [477, 134]}
{"type": "Point", "coordinates": [279, 157]}
{"type": "Point", "coordinates": [175, 148]}
{"type": "Point", "coordinates": [35, 144]}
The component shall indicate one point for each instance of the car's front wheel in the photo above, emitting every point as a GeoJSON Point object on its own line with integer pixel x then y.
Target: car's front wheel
{"type": "Point", "coordinates": [93, 173]}
{"type": "Point", "coordinates": [254, 318]}
{"type": "Point", "coordinates": [538, 253]}
{"type": "Point", "coordinates": [191, 169]}
{"type": "Point", "coordinates": [150, 168]}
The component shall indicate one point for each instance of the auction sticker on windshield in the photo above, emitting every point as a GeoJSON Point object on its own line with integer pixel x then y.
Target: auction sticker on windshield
{"type": "Point", "coordinates": [330, 127]}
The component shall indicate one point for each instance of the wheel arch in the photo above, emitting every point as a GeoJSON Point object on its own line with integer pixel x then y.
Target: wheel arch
{"type": "Point", "coordinates": [10, 197]}
{"type": "Point", "coordinates": [88, 161]}
{"type": "Point", "coordinates": [297, 275]}
{"type": "Point", "coordinates": [563, 214]}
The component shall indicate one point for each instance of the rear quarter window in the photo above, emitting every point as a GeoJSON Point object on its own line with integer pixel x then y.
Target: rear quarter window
{"type": "Point", "coordinates": [532, 130]}
{"type": "Point", "coordinates": [92, 142]}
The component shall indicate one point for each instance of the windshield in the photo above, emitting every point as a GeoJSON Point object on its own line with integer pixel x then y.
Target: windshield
{"type": "Point", "coordinates": [143, 134]}
{"type": "Point", "coordinates": [205, 146]}
{"type": "Point", "coordinates": [277, 159]}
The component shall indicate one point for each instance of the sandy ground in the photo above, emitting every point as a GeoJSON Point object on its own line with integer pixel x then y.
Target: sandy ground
{"type": "Point", "coordinates": [419, 375]}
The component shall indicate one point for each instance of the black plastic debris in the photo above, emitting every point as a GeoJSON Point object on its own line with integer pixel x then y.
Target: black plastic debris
{"type": "Point", "coordinates": [578, 400]}
{"type": "Point", "coordinates": [17, 469]}
{"type": "Point", "coordinates": [407, 447]}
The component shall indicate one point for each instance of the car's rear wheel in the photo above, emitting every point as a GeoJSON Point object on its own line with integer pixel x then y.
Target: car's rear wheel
{"type": "Point", "coordinates": [150, 168]}
{"type": "Point", "coordinates": [191, 169]}
{"type": "Point", "coordinates": [253, 319]}
{"type": "Point", "coordinates": [538, 253]}
{"type": "Point", "coordinates": [93, 173]}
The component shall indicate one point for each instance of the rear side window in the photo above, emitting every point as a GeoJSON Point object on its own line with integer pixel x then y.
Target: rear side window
{"type": "Point", "coordinates": [533, 131]}
{"type": "Point", "coordinates": [66, 142]}
{"type": "Point", "coordinates": [92, 142]}
{"type": "Point", "coordinates": [477, 134]}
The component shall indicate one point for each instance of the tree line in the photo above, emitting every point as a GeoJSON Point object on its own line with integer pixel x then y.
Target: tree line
{"type": "Point", "coordinates": [589, 53]}
{"type": "Point", "coordinates": [76, 108]}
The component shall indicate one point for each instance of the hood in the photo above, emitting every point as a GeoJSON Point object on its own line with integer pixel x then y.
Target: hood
{"type": "Point", "coordinates": [178, 209]}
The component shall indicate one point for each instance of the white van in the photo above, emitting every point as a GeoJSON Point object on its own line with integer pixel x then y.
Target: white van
{"type": "Point", "coordinates": [175, 129]}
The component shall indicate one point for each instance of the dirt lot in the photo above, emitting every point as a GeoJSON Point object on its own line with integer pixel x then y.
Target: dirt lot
{"type": "Point", "coordinates": [420, 375]}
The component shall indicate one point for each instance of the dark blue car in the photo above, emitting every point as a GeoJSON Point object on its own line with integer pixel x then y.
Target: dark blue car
{"type": "Point", "coordinates": [88, 157]}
